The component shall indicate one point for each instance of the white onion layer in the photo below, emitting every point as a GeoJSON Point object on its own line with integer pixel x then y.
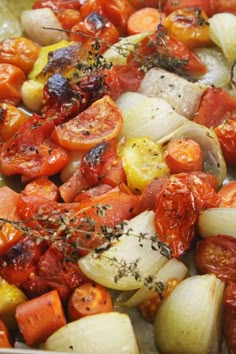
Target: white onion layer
{"type": "Point", "coordinates": [42, 26]}
{"type": "Point", "coordinates": [188, 321]}
{"type": "Point", "coordinates": [125, 252]}
{"type": "Point", "coordinates": [217, 221]}
{"type": "Point", "coordinates": [148, 116]}
{"type": "Point", "coordinates": [104, 333]}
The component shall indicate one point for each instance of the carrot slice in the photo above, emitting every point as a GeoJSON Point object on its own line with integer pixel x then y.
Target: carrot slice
{"type": "Point", "coordinates": [40, 317]}
{"type": "Point", "coordinates": [4, 336]}
{"type": "Point", "coordinates": [146, 19]}
{"type": "Point", "coordinates": [184, 155]}
{"type": "Point", "coordinates": [89, 299]}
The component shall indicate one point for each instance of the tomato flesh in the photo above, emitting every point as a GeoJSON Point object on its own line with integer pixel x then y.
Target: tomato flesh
{"type": "Point", "coordinates": [217, 255]}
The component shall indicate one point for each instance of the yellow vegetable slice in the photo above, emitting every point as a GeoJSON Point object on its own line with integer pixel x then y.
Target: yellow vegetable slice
{"type": "Point", "coordinates": [142, 160]}
{"type": "Point", "coordinates": [10, 298]}
{"type": "Point", "coordinates": [42, 59]}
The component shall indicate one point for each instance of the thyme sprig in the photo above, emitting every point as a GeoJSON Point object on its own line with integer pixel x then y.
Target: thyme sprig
{"type": "Point", "coordinates": [72, 235]}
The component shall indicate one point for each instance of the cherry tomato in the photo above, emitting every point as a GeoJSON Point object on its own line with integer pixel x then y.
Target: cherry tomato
{"type": "Point", "coordinates": [19, 263]}
{"type": "Point", "coordinates": [226, 133]}
{"type": "Point", "coordinates": [94, 26]}
{"type": "Point", "coordinates": [206, 5]}
{"type": "Point", "coordinates": [189, 26]}
{"type": "Point", "coordinates": [55, 272]}
{"type": "Point", "coordinates": [61, 99]}
{"type": "Point", "coordinates": [149, 195]}
{"type": "Point", "coordinates": [11, 119]}
{"type": "Point", "coordinates": [90, 6]}
{"type": "Point", "coordinates": [118, 12]}
{"type": "Point", "coordinates": [21, 52]}
{"type": "Point", "coordinates": [178, 204]}
{"type": "Point", "coordinates": [97, 163]}
{"type": "Point", "coordinates": [227, 195]}
{"type": "Point", "coordinates": [11, 81]}
{"type": "Point", "coordinates": [9, 236]}
{"type": "Point", "coordinates": [217, 255]}
{"type": "Point", "coordinates": [161, 50]}
{"type": "Point", "coordinates": [58, 4]}
{"type": "Point", "coordinates": [31, 153]}
{"type": "Point", "coordinates": [100, 122]}
{"type": "Point", "coordinates": [225, 6]}
{"type": "Point", "coordinates": [128, 76]}
{"type": "Point", "coordinates": [68, 18]}
{"type": "Point", "coordinates": [229, 329]}
{"type": "Point", "coordinates": [230, 295]}
{"type": "Point", "coordinates": [216, 106]}
{"type": "Point", "coordinates": [89, 299]}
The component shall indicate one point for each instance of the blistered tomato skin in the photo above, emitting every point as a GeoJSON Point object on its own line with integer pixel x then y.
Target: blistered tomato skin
{"type": "Point", "coordinates": [189, 26]}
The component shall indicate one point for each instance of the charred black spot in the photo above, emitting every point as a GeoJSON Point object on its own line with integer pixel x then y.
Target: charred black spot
{"type": "Point", "coordinates": [94, 156]}
{"type": "Point", "coordinates": [61, 59]}
{"type": "Point", "coordinates": [95, 20]}
{"type": "Point", "coordinates": [3, 113]}
{"type": "Point", "coordinates": [59, 87]}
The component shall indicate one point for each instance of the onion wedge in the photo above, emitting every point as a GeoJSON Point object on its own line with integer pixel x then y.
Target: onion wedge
{"type": "Point", "coordinates": [148, 116]}
{"type": "Point", "coordinates": [104, 333]}
{"type": "Point", "coordinates": [42, 26]}
{"type": "Point", "coordinates": [189, 319]}
{"type": "Point", "coordinates": [173, 269]}
{"type": "Point", "coordinates": [217, 221]}
{"type": "Point", "coordinates": [130, 259]}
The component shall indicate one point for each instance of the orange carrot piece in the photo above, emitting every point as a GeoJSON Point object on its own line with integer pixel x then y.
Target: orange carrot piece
{"type": "Point", "coordinates": [40, 317]}
{"type": "Point", "coordinates": [4, 336]}
{"type": "Point", "coordinates": [89, 299]}
{"type": "Point", "coordinates": [184, 155]}
{"type": "Point", "coordinates": [146, 19]}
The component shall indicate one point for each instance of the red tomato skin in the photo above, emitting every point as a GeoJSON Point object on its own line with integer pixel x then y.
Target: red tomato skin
{"type": "Point", "coordinates": [84, 131]}
{"type": "Point", "coordinates": [230, 295]}
{"type": "Point", "coordinates": [94, 26]}
{"type": "Point", "coordinates": [217, 255]}
{"type": "Point", "coordinates": [229, 329]}
{"type": "Point", "coordinates": [31, 152]}
{"type": "Point", "coordinates": [226, 133]}
{"type": "Point", "coordinates": [206, 5]}
{"type": "Point", "coordinates": [216, 106]}
{"type": "Point", "coordinates": [102, 165]}
{"type": "Point", "coordinates": [178, 205]}
{"type": "Point", "coordinates": [165, 47]}
{"type": "Point", "coordinates": [19, 263]}
{"type": "Point", "coordinates": [227, 195]}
